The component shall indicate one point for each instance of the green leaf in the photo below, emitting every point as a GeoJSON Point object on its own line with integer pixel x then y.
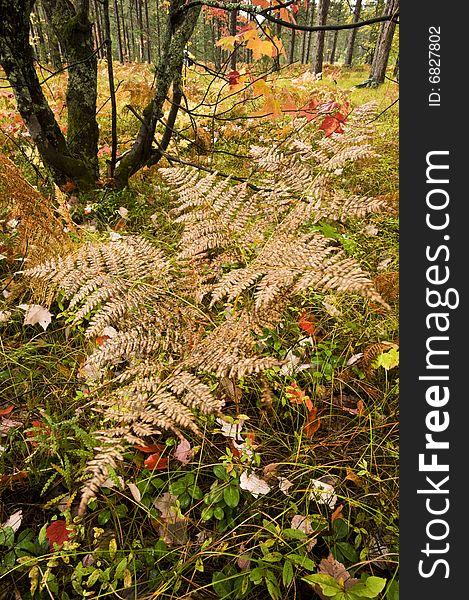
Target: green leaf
{"type": "Point", "coordinates": [343, 551]}
{"type": "Point", "coordinates": [287, 573]}
{"type": "Point", "coordinates": [121, 567]}
{"type": "Point", "coordinates": [178, 487]}
{"type": "Point", "coordinates": [256, 575]}
{"type": "Point", "coordinates": [341, 529]}
{"type": "Point", "coordinates": [207, 513]}
{"type": "Point", "coordinates": [293, 534]}
{"type": "Point", "coordinates": [195, 492]}
{"type": "Point", "coordinates": [272, 557]}
{"type": "Point", "coordinates": [93, 578]}
{"type": "Point", "coordinates": [272, 585]}
{"type": "Point", "coordinates": [7, 537]}
{"type": "Point", "coordinates": [184, 500]}
{"type": "Point", "coordinates": [388, 360]}
{"type": "Point", "coordinates": [392, 591]}
{"type": "Point", "coordinates": [231, 496]}
{"type": "Point", "coordinates": [218, 513]}
{"type": "Point", "coordinates": [329, 586]}
{"type": "Point", "coordinates": [220, 472]}
{"type": "Point", "coordinates": [369, 588]}
{"type": "Point", "coordinates": [302, 561]}
{"type": "Point", "coordinates": [221, 584]}
{"type": "Point", "coordinates": [112, 548]}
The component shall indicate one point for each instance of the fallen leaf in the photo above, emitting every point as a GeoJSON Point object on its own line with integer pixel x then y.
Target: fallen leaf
{"type": "Point", "coordinates": [14, 521]}
{"type": "Point", "coordinates": [8, 480]}
{"type": "Point", "coordinates": [156, 462]}
{"type": "Point", "coordinates": [353, 477]}
{"type": "Point", "coordinates": [334, 568]}
{"type": "Point", "coordinates": [355, 358]}
{"type": "Point", "coordinates": [57, 533]}
{"type": "Point", "coordinates": [244, 558]}
{"type": "Point", "coordinates": [253, 484]}
{"type": "Point", "coordinates": [183, 452]}
{"type": "Point", "coordinates": [150, 449]}
{"type": "Point", "coordinates": [232, 430]}
{"type": "Point", "coordinates": [323, 493]}
{"type": "Point", "coordinates": [284, 485]}
{"type": "Point", "coordinates": [304, 524]}
{"type": "Point", "coordinates": [313, 422]}
{"type": "Point", "coordinates": [172, 525]}
{"type": "Point", "coordinates": [297, 396]}
{"type": "Point", "coordinates": [7, 424]}
{"type": "Point", "coordinates": [337, 514]}
{"type": "Point", "coordinates": [36, 314]}
{"type": "Point", "coordinates": [136, 495]}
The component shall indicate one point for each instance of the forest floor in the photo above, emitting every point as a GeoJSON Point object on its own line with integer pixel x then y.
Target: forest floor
{"type": "Point", "coordinates": [295, 494]}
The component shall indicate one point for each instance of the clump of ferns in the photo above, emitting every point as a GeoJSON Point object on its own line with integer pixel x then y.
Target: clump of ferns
{"type": "Point", "coordinates": [243, 256]}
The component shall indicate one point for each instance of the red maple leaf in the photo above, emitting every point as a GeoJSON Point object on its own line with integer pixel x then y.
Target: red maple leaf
{"type": "Point", "coordinates": [331, 125]}
{"type": "Point", "coordinates": [150, 449]}
{"type": "Point", "coordinates": [233, 78]}
{"type": "Point", "coordinates": [306, 322]}
{"type": "Point", "coordinates": [156, 462]}
{"type": "Point", "coordinates": [57, 533]}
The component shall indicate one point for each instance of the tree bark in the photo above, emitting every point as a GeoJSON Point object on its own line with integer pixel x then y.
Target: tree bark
{"type": "Point", "coordinates": [291, 54]}
{"type": "Point", "coordinates": [318, 54]}
{"type": "Point", "coordinates": [17, 60]}
{"type": "Point", "coordinates": [179, 28]}
{"type": "Point", "coordinates": [232, 20]}
{"type": "Point", "coordinates": [383, 45]}
{"type": "Point", "coordinates": [352, 34]}
{"type": "Point", "coordinates": [73, 28]}
{"type": "Point", "coordinates": [117, 16]}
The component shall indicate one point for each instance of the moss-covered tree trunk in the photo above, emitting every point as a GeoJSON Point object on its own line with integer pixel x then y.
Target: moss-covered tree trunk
{"type": "Point", "coordinates": [179, 27]}
{"type": "Point", "coordinates": [17, 60]}
{"type": "Point", "coordinates": [73, 28]}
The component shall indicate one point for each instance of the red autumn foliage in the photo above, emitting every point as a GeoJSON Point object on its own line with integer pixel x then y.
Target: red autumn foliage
{"type": "Point", "coordinates": [156, 462]}
{"type": "Point", "coordinates": [306, 322]}
{"type": "Point", "coordinates": [312, 423]}
{"type": "Point", "coordinates": [57, 533]}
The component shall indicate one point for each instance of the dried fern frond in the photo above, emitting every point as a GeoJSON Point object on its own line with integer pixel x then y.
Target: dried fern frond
{"type": "Point", "coordinates": [110, 280]}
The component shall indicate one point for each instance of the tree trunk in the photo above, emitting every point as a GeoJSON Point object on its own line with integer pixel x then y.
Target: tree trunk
{"type": "Point", "coordinates": [374, 34]}
{"type": "Point", "coordinates": [335, 35]}
{"type": "Point", "coordinates": [147, 33]}
{"type": "Point", "coordinates": [305, 34]}
{"type": "Point", "coordinates": [353, 34]}
{"type": "Point", "coordinates": [291, 55]}
{"type": "Point", "coordinates": [318, 54]}
{"type": "Point", "coordinates": [310, 34]}
{"type": "Point", "coordinates": [16, 58]}
{"type": "Point", "coordinates": [179, 28]}
{"type": "Point", "coordinates": [276, 62]}
{"type": "Point", "coordinates": [117, 16]}
{"type": "Point", "coordinates": [73, 28]}
{"type": "Point", "coordinates": [383, 45]}
{"type": "Point", "coordinates": [232, 20]}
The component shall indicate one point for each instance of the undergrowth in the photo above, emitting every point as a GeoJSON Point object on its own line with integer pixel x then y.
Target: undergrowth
{"type": "Point", "coordinates": [186, 297]}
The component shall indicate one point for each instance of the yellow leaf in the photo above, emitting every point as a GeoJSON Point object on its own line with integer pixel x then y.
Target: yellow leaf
{"type": "Point", "coordinates": [228, 42]}
{"type": "Point", "coordinates": [260, 47]}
